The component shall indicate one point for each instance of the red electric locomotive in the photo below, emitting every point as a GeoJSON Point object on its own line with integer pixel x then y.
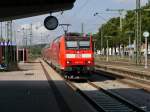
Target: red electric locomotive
{"type": "Point", "coordinates": [72, 54]}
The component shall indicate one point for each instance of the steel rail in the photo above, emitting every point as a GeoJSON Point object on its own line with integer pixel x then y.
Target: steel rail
{"type": "Point", "coordinates": [76, 89]}
{"type": "Point", "coordinates": [142, 84]}
{"type": "Point", "coordinates": [111, 102]}
{"type": "Point", "coordinates": [118, 97]}
{"type": "Point", "coordinates": [130, 74]}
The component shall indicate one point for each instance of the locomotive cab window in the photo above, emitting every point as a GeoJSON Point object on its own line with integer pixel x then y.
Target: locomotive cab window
{"type": "Point", "coordinates": [71, 44]}
{"type": "Point", "coordinates": [84, 44]}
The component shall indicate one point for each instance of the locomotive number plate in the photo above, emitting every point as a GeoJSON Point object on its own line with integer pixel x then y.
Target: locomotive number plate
{"type": "Point", "coordinates": [78, 56]}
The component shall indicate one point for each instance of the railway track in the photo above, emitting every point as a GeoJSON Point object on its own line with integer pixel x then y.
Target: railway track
{"type": "Point", "coordinates": [126, 77]}
{"type": "Point", "coordinates": [101, 99]}
{"type": "Point", "coordinates": [142, 76]}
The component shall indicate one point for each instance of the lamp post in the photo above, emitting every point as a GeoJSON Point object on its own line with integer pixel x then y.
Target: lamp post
{"type": "Point", "coordinates": [31, 34]}
{"type": "Point", "coordinates": [94, 45]}
{"type": "Point", "coordinates": [146, 35]}
{"type": "Point", "coordinates": [107, 42]}
{"type": "Point", "coordinates": [18, 35]}
{"type": "Point", "coordinates": [101, 38]}
{"type": "Point", "coordinates": [107, 50]}
{"type": "Point", "coordinates": [129, 33]}
{"type": "Point", "coordinates": [138, 31]}
{"type": "Point", "coordinates": [146, 52]}
{"type": "Point", "coordinates": [23, 36]}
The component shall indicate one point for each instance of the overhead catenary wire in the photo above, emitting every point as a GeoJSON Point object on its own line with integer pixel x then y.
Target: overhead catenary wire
{"type": "Point", "coordinates": [80, 8]}
{"type": "Point", "coordinates": [77, 11]}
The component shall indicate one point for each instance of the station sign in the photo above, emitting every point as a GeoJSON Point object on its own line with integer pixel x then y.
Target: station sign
{"type": "Point", "coordinates": [51, 23]}
{"type": "Point", "coordinates": [146, 34]}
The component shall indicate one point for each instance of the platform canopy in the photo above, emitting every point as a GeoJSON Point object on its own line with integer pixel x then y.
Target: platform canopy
{"type": "Point", "coordinates": [14, 9]}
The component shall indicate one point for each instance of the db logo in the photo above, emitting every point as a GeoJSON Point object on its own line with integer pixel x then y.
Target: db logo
{"type": "Point", "coordinates": [78, 55]}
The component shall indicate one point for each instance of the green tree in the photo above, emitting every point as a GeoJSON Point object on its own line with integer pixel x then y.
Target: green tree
{"type": "Point", "coordinates": [111, 28]}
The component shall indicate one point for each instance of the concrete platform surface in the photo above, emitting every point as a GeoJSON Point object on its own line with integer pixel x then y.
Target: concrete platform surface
{"type": "Point", "coordinates": [26, 90]}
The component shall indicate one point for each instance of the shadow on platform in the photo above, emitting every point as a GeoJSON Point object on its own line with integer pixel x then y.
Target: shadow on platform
{"type": "Point", "coordinates": [26, 96]}
{"type": "Point", "coordinates": [37, 96]}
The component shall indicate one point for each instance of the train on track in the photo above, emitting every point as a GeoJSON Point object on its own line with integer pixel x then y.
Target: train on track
{"type": "Point", "coordinates": [71, 54]}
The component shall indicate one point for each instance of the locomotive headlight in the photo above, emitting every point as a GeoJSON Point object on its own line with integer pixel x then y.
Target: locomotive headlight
{"type": "Point", "coordinates": [68, 62]}
{"type": "Point", "coordinates": [89, 62]}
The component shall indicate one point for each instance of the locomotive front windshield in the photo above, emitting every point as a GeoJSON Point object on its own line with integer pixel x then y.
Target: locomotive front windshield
{"type": "Point", "coordinates": [84, 44]}
{"type": "Point", "coordinates": [78, 43]}
{"type": "Point", "coordinates": [72, 44]}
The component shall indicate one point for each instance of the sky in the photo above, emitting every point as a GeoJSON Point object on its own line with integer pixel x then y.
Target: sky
{"type": "Point", "coordinates": [82, 12]}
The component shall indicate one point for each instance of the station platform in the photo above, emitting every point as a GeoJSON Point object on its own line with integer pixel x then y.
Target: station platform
{"type": "Point", "coordinates": [28, 90]}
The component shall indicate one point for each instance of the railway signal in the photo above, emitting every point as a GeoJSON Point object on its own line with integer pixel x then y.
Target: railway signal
{"type": "Point", "coordinates": [107, 43]}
